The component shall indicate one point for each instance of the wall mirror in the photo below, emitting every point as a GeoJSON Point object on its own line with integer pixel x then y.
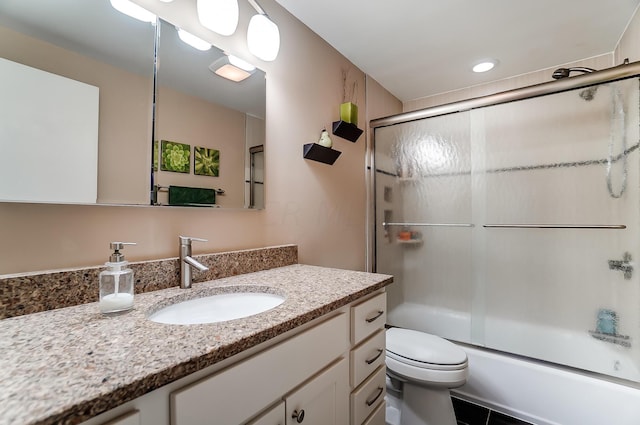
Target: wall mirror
{"type": "Point", "coordinates": [87, 47]}
{"type": "Point", "coordinates": [85, 44]}
{"type": "Point", "coordinates": [206, 127]}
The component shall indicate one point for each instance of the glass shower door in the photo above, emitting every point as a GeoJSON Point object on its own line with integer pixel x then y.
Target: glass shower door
{"type": "Point", "coordinates": [561, 224]}
{"type": "Point", "coordinates": [423, 223]}
{"type": "Point", "coordinates": [515, 226]}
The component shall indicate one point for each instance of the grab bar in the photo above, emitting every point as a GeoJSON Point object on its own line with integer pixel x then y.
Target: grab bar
{"type": "Point", "coordinates": [430, 224]}
{"type": "Point", "coordinates": [555, 226]}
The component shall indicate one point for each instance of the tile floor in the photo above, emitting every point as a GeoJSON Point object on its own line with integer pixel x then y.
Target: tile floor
{"type": "Point", "coordinates": [473, 414]}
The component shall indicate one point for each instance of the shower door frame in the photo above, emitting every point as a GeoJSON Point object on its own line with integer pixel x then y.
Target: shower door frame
{"type": "Point", "coordinates": [620, 72]}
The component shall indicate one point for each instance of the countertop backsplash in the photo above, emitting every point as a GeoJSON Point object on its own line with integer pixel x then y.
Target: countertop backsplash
{"type": "Point", "coordinates": [27, 293]}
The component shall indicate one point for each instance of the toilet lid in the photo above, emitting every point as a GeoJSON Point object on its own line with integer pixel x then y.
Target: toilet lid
{"type": "Point", "coordinates": [423, 347]}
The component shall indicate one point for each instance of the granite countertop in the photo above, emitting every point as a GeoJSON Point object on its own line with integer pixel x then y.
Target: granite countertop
{"type": "Point", "coordinates": [67, 365]}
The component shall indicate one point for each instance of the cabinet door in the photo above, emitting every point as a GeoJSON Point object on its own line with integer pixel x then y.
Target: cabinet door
{"type": "Point", "coordinates": [234, 395]}
{"type": "Point", "coordinates": [274, 416]}
{"type": "Point", "coordinates": [323, 400]}
{"type": "Point", "coordinates": [131, 418]}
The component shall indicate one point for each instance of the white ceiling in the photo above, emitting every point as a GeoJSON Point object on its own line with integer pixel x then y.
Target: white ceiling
{"type": "Point", "coordinates": [417, 48]}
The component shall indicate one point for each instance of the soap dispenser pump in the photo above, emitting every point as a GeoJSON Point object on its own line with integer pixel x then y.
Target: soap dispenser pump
{"type": "Point", "coordinates": [116, 282]}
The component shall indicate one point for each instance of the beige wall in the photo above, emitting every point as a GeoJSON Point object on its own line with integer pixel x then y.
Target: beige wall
{"type": "Point", "coordinates": [319, 207]}
{"type": "Point", "coordinates": [125, 112]}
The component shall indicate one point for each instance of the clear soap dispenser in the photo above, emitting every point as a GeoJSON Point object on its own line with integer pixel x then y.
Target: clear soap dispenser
{"type": "Point", "coordinates": [116, 282]}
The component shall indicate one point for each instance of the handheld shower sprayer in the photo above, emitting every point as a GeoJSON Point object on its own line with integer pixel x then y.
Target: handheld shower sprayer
{"type": "Point", "coordinates": [586, 94]}
{"type": "Point", "coordinates": [565, 72]}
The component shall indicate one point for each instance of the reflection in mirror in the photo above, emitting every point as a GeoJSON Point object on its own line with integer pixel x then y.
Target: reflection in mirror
{"type": "Point", "coordinates": [205, 128]}
{"type": "Point", "coordinates": [256, 177]}
{"type": "Point", "coordinates": [51, 136]}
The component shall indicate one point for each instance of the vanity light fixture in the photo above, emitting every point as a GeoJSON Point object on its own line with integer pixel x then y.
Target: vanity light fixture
{"type": "Point", "coordinates": [263, 36]}
{"type": "Point", "coordinates": [193, 41]}
{"type": "Point", "coordinates": [232, 68]}
{"type": "Point", "coordinates": [220, 16]}
{"type": "Point", "coordinates": [131, 9]}
{"type": "Point", "coordinates": [485, 65]}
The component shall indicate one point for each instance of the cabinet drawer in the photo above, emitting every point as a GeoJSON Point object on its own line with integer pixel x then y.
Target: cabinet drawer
{"type": "Point", "coordinates": [377, 417]}
{"type": "Point", "coordinates": [367, 357]}
{"type": "Point", "coordinates": [366, 398]}
{"type": "Point", "coordinates": [237, 393]}
{"type": "Point", "coordinates": [367, 317]}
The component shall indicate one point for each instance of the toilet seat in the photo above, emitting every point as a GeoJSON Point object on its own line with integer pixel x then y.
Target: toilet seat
{"type": "Point", "coordinates": [424, 349]}
{"type": "Point", "coordinates": [425, 359]}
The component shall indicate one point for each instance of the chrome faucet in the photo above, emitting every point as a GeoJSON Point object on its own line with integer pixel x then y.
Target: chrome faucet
{"type": "Point", "coordinates": [186, 261]}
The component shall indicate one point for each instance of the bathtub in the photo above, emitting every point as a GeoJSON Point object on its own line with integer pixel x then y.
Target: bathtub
{"type": "Point", "coordinates": [535, 391]}
{"type": "Point", "coordinates": [545, 394]}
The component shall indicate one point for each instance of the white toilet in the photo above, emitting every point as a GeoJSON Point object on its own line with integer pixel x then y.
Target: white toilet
{"type": "Point", "coordinates": [427, 366]}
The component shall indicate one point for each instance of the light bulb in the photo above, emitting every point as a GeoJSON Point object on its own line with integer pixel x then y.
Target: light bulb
{"type": "Point", "coordinates": [263, 38]}
{"type": "Point", "coordinates": [220, 16]}
{"type": "Point", "coordinates": [133, 10]}
{"type": "Point", "coordinates": [193, 41]}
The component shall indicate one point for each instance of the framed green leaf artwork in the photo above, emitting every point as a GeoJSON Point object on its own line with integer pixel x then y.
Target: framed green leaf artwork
{"type": "Point", "coordinates": [206, 162]}
{"type": "Point", "coordinates": [175, 157]}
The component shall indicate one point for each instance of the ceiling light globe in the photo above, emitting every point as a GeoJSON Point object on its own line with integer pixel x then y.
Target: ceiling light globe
{"type": "Point", "coordinates": [263, 38]}
{"type": "Point", "coordinates": [220, 16]}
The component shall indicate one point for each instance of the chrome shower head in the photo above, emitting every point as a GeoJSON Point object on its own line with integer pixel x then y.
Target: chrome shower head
{"type": "Point", "coordinates": [565, 72]}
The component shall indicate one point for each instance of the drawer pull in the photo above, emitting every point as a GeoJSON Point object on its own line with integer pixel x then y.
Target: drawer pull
{"type": "Point", "coordinates": [377, 396]}
{"type": "Point", "coordinates": [298, 416]}
{"type": "Point", "coordinates": [373, 319]}
{"type": "Point", "coordinates": [374, 358]}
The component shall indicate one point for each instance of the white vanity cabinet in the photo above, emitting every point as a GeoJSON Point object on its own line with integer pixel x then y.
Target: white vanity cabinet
{"type": "Point", "coordinates": [131, 418]}
{"type": "Point", "coordinates": [367, 366]}
{"type": "Point", "coordinates": [328, 372]}
{"type": "Point", "coordinates": [273, 416]}
{"type": "Point", "coordinates": [324, 400]}
{"type": "Point", "coordinates": [236, 394]}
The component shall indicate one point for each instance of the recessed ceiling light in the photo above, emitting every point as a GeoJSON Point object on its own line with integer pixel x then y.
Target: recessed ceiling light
{"type": "Point", "coordinates": [484, 66]}
{"type": "Point", "coordinates": [232, 68]}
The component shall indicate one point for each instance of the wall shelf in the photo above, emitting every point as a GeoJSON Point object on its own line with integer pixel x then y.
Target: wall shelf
{"type": "Point", "coordinates": [346, 130]}
{"type": "Point", "coordinates": [409, 242]}
{"type": "Point", "coordinates": [316, 152]}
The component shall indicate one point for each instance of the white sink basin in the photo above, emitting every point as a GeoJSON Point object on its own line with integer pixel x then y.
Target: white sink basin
{"type": "Point", "coordinates": [217, 308]}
